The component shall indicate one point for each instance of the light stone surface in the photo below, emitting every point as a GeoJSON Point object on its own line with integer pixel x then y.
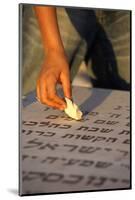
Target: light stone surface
{"type": "Point", "coordinates": [60, 154]}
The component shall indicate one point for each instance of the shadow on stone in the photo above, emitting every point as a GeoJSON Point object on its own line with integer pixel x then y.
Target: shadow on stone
{"type": "Point", "coordinates": [95, 99]}
{"type": "Point", "coordinates": [13, 191]}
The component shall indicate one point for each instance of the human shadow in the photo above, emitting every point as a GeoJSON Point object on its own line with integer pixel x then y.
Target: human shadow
{"type": "Point", "coordinates": [99, 50]}
{"type": "Point", "coordinates": [29, 98]}
{"type": "Point", "coordinates": [95, 99]}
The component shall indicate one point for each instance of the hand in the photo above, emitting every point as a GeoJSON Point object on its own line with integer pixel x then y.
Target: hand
{"type": "Point", "coordinates": [55, 69]}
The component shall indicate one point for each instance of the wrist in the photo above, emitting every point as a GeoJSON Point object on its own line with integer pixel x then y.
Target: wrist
{"type": "Point", "coordinates": [55, 51]}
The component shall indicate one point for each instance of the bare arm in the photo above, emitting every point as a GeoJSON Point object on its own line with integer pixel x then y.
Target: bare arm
{"type": "Point", "coordinates": [49, 27]}
{"type": "Point", "coordinates": [55, 68]}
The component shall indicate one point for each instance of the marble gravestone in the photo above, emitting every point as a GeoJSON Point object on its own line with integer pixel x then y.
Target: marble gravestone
{"type": "Point", "coordinates": [59, 154]}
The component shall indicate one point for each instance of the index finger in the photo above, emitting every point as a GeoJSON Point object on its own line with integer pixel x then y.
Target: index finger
{"type": "Point", "coordinates": [65, 80]}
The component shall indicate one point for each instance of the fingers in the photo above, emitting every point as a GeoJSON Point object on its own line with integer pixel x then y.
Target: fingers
{"type": "Point", "coordinates": [52, 95]}
{"type": "Point", "coordinates": [65, 80]}
{"type": "Point", "coordinates": [52, 104]}
{"type": "Point", "coordinates": [46, 93]}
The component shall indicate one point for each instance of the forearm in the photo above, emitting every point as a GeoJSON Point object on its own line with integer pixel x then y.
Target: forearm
{"type": "Point", "coordinates": [49, 28]}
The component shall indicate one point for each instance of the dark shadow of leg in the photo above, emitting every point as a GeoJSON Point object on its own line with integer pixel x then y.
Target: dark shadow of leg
{"type": "Point", "coordinates": [104, 64]}
{"type": "Point", "coordinates": [100, 49]}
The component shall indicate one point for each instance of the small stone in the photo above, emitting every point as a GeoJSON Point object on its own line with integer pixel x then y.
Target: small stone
{"type": "Point", "coordinates": [72, 110]}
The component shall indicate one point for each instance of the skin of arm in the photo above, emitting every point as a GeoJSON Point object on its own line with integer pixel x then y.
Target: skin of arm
{"type": "Point", "coordinates": [55, 68]}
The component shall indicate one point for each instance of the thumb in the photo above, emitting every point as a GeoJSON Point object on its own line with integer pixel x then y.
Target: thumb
{"type": "Point", "coordinates": [65, 80]}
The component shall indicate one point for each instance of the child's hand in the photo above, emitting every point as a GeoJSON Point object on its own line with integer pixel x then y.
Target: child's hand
{"type": "Point", "coordinates": [55, 69]}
